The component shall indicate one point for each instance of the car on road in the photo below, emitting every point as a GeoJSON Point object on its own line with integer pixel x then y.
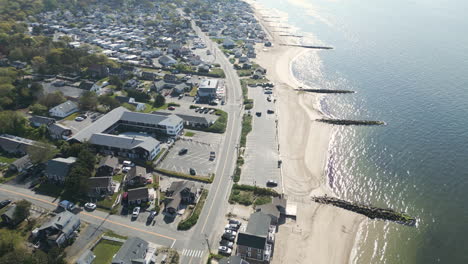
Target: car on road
{"type": "Point", "coordinates": [126, 169]}
{"type": "Point", "coordinates": [183, 151]}
{"type": "Point", "coordinates": [259, 114]}
{"type": "Point", "coordinates": [224, 250]}
{"type": "Point", "coordinates": [226, 243]}
{"type": "Point", "coordinates": [171, 108]}
{"type": "Point", "coordinates": [128, 163]}
{"type": "Point", "coordinates": [136, 212]}
{"type": "Point", "coordinates": [272, 183]}
{"type": "Point", "coordinates": [90, 206]}
{"type": "Point", "coordinates": [4, 203]}
{"type": "Point", "coordinates": [212, 155]}
{"type": "Point", "coordinates": [231, 232]}
{"type": "Point", "coordinates": [235, 222]}
{"type": "Point", "coordinates": [228, 237]}
{"type": "Point", "coordinates": [192, 171]}
{"type": "Point", "coordinates": [270, 111]}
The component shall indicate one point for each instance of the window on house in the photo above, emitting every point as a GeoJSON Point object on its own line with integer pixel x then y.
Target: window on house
{"type": "Point", "coordinates": [249, 254]}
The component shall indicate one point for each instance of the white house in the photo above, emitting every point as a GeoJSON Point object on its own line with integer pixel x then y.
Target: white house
{"type": "Point", "coordinates": [64, 110]}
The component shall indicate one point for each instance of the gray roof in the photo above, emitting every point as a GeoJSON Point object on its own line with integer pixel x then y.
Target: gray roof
{"type": "Point", "coordinates": [99, 182]}
{"type": "Point", "coordinates": [124, 142]}
{"type": "Point", "coordinates": [10, 212]}
{"type": "Point", "coordinates": [65, 221]}
{"type": "Point", "coordinates": [138, 194]}
{"type": "Point", "coordinates": [42, 120]}
{"type": "Point", "coordinates": [187, 118]}
{"type": "Point", "coordinates": [14, 144]}
{"type": "Point", "coordinates": [22, 162]}
{"type": "Point", "coordinates": [256, 233]}
{"type": "Point", "coordinates": [58, 129]}
{"type": "Point", "coordinates": [142, 118]}
{"type": "Point", "coordinates": [60, 166]}
{"type": "Point", "coordinates": [109, 161]}
{"type": "Point", "coordinates": [133, 250]}
{"type": "Point", "coordinates": [136, 171]}
{"type": "Point", "coordinates": [66, 107]}
{"type": "Point", "coordinates": [86, 258]}
{"type": "Point", "coordinates": [232, 260]}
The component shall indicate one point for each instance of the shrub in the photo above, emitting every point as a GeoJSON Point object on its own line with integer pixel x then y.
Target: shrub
{"type": "Point", "coordinates": [173, 104]}
{"type": "Point", "coordinates": [192, 220]}
{"type": "Point", "coordinates": [184, 176]}
{"type": "Point", "coordinates": [246, 128]}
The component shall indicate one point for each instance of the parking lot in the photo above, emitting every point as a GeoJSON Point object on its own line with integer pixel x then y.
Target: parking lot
{"type": "Point", "coordinates": [197, 157]}
{"type": "Point", "coordinates": [261, 153]}
{"type": "Point", "coordinates": [77, 126]}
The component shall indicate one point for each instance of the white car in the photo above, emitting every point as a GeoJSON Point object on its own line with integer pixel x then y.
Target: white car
{"type": "Point", "coordinates": [136, 212]}
{"type": "Point", "coordinates": [79, 119]}
{"type": "Point", "coordinates": [126, 169]}
{"type": "Point", "coordinates": [128, 163]}
{"type": "Point", "coordinates": [224, 250]}
{"type": "Point", "coordinates": [230, 232]}
{"type": "Point", "coordinates": [90, 206]}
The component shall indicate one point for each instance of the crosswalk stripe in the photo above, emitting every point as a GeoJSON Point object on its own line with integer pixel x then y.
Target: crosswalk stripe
{"type": "Point", "coordinates": [192, 253]}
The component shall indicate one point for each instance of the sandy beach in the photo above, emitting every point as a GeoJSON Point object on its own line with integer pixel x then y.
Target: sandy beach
{"type": "Point", "coordinates": [321, 233]}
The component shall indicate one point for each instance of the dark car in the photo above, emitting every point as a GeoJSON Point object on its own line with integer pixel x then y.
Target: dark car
{"type": "Point", "coordinates": [151, 216]}
{"type": "Point", "coordinates": [4, 203]}
{"type": "Point", "coordinates": [270, 111]}
{"type": "Point", "coordinates": [192, 171]}
{"type": "Point", "coordinates": [183, 151]}
{"type": "Point", "coordinates": [229, 237]}
{"type": "Point", "coordinates": [235, 222]}
{"type": "Point", "coordinates": [272, 183]}
{"type": "Point", "coordinates": [226, 243]}
{"type": "Point", "coordinates": [258, 114]}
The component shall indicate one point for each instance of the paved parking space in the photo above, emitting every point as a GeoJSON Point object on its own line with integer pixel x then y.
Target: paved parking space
{"type": "Point", "coordinates": [197, 158]}
{"type": "Point", "coordinates": [261, 155]}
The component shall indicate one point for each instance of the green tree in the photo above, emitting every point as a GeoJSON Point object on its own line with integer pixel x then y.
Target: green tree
{"type": "Point", "coordinates": [52, 99]}
{"type": "Point", "coordinates": [38, 109]}
{"type": "Point", "coordinates": [36, 90]}
{"type": "Point", "coordinates": [116, 81]}
{"type": "Point", "coordinates": [88, 101]}
{"type": "Point", "coordinates": [159, 100]}
{"type": "Point", "coordinates": [108, 101]}
{"type": "Point", "coordinates": [22, 211]}
{"type": "Point", "coordinates": [41, 152]}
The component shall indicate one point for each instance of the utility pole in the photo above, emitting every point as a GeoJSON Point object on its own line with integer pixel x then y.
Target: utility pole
{"type": "Point", "coordinates": [208, 243]}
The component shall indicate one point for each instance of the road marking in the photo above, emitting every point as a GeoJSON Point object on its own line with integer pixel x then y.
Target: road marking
{"type": "Point", "coordinates": [192, 253]}
{"type": "Point", "coordinates": [90, 215]}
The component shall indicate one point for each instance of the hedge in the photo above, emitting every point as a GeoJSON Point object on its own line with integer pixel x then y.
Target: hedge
{"type": "Point", "coordinates": [185, 176]}
{"type": "Point", "coordinates": [192, 220]}
{"type": "Point", "coordinates": [237, 174]}
{"type": "Point", "coordinates": [256, 190]}
{"type": "Point", "coordinates": [219, 126]}
{"type": "Point", "coordinates": [246, 128]}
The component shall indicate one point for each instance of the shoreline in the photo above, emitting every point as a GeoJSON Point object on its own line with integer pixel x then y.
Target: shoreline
{"type": "Point", "coordinates": [322, 234]}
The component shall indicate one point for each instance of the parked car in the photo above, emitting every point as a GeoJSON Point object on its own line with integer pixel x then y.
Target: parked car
{"type": "Point", "coordinates": [171, 108]}
{"type": "Point", "coordinates": [259, 114]}
{"type": "Point", "coordinates": [212, 155]}
{"type": "Point", "coordinates": [231, 232]}
{"type": "Point", "coordinates": [183, 151]}
{"type": "Point", "coordinates": [126, 169]}
{"type": "Point", "coordinates": [270, 111]}
{"type": "Point", "coordinates": [272, 183]}
{"type": "Point", "coordinates": [90, 206]}
{"type": "Point", "coordinates": [79, 119]}
{"type": "Point", "coordinates": [206, 110]}
{"type": "Point", "coordinates": [228, 237]}
{"type": "Point", "coordinates": [224, 250]}
{"type": "Point", "coordinates": [4, 203]}
{"type": "Point", "coordinates": [233, 227]}
{"type": "Point", "coordinates": [136, 212]}
{"type": "Point", "coordinates": [192, 171]}
{"type": "Point", "coordinates": [128, 163]}
{"type": "Point", "coordinates": [152, 215]}
{"type": "Point", "coordinates": [226, 243]}
{"type": "Point", "coordinates": [268, 92]}
{"type": "Point", "coordinates": [269, 98]}
{"type": "Point", "coordinates": [235, 222]}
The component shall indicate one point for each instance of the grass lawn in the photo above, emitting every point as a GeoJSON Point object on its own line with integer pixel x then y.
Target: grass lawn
{"type": "Point", "coordinates": [189, 134]}
{"type": "Point", "coordinates": [150, 108]}
{"type": "Point", "coordinates": [246, 128]}
{"type": "Point", "coordinates": [118, 177]}
{"type": "Point", "coordinates": [6, 160]}
{"type": "Point", "coordinates": [110, 233]}
{"type": "Point", "coordinates": [105, 251]}
{"type": "Point", "coordinates": [107, 202]}
{"type": "Point", "coordinates": [193, 92]}
{"type": "Point", "coordinates": [72, 116]}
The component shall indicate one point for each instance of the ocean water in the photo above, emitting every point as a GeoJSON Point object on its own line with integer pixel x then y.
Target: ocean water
{"type": "Point", "coordinates": [408, 62]}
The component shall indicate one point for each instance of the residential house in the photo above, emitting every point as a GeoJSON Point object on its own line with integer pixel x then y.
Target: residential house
{"type": "Point", "coordinates": [108, 165]}
{"type": "Point", "coordinates": [229, 43]}
{"type": "Point", "coordinates": [148, 76]}
{"type": "Point", "coordinates": [275, 210]}
{"type": "Point", "coordinates": [15, 145]}
{"type": "Point", "coordinates": [137, 195]}
{"type": "Point", "coordinates": [38, 121]}
{"type": "Point", "coordinates": [137, 176]}
{"type": "Point", "coordinates": [98, 71]}
{"type": "Point", "coordinates": [99, 186]}
{"type": "Point", "coordinates": [8, 217]}
{"type": "Point", "coordinates": [22, 164]}
{"type": "Point", "coordinates": [130, 100]}
{"type": "Point", "coordinates": [59, 131]}
{"type": "Point", "coordinates": [132, 251]}
{"type": "Point", "coordinates": [253, 243]}
{"type": "Point", "coordinates": [167, 61]}
{"type": "Point", "coordinates": [64, 109]}
{"type": "Point", "coordinates": [57, 169]}
{"type": "Point", "coordinates": [59, 229]}
{"type": "Point", "coordinates": [118, 72]}
{"type": "Point", "coordinates": [131, 84]}
{"type": "Point", "coordinates": [179, 193]}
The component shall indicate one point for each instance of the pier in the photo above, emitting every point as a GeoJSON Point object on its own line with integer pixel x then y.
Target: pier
{"type": "Point", "coordinates": [327, 91]}
{"type": "Point", "coordinates": [369, 211]}
{"type": "Point", "coordinates": [347, 122]}
{"type": "Point", "coordinates": [307, 46]}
